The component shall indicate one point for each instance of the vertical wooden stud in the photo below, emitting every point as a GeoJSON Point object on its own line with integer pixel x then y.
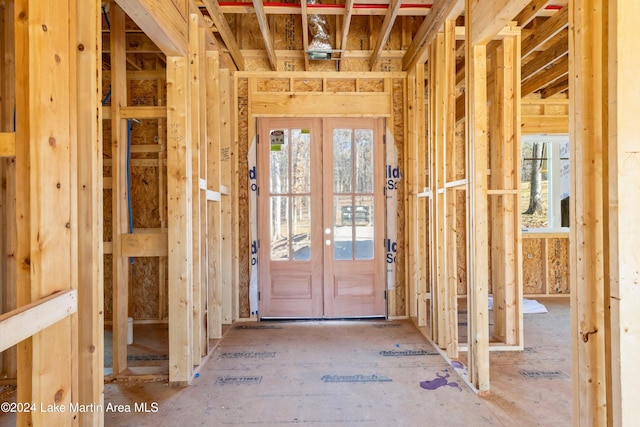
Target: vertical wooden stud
{"type": "Point", "coordinates": [227, 219]}
{"type": "Point", "coordinates": [120, 214]}
{"type": "Point", "coordinates": [90, 216]}
{"type": "Point", "coordinates": [180, 231]}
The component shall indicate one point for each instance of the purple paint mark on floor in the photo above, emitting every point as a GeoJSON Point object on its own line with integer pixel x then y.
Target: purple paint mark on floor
{"type": "Point", "coordinates": [439, 381]}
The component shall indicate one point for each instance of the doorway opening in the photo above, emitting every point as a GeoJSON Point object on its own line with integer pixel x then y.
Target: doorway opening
{"type": "Point", "coordinates": [321, 218]}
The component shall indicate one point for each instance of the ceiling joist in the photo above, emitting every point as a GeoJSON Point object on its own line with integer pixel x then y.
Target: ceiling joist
{"type": "Point", "coordinates": [383, 35]}
{"type": "Point", "coordinates": [213, 8]}
{"type": "Point", "coordinates": [558, 22]}
{"type": "Point", "coordinates": [266, 33]}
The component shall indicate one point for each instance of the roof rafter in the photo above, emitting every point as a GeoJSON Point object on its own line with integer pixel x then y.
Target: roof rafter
{"type": "Point", "coordinates": [213, 8]}
{"type": "Point", "coordinates": [266, 33]}
{"type": "Point", "coordinates": [383, 35]}
{"type": "Point", "coordinates": [440, 12]}
{"type": "Point", "coordinates": [552, 26]}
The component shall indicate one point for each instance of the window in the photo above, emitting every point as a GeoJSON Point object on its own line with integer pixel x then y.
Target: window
{"type": "Point", "coordinates": [545, 182]}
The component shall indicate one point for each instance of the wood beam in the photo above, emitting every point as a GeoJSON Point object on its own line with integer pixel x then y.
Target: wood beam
{"type": "Point", "coordinates": [213, 8]}
{"type": "Point", "coordinates": [266, 33]}
{"type": "Point", "coordinates": [144, 244]}
{"type": "Point", "coordinates": [488, 18]}
{"type": "Point", "coordinates": [28, 320]}
{"type": "Point", "coordinates": [551, 27]}
{"type": "Point", "coordinates": [179, 170]}
{"type": "Point", "coordinates": [305, 33]}
{"type": "Point", "coordinates": [346, 25]}
{"type": "Point", "coordinates": [532, 125]}
{"type": "Point", "coordinates": [530, 11]}
{"type": "Point", "coordinates": [589, 136]}
{"type": "Point", "coordinates": [555, 71]}
{"type": "Point", "coordinates": [445, 9]}
{"type": "Point", "coordinates": [624, 174]}
{"type": "Point", "coordinates": [161, 21]}
{"type": "Point", "coordinates": [560, 85]}
{"type": "Point", "coordinates": [385, 30]}
{"type": "Point", "coordinates": [90, 212]}
{"type": "Point", "coordinates": [120, 212]}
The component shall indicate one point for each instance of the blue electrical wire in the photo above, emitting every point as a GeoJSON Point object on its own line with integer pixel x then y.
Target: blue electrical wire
{"type": "Point", "coordinates": [106, 97]}
{"type": "Point", "coordinates": [129, 179]}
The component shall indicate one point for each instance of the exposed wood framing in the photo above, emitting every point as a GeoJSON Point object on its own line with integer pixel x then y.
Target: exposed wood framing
{"type": "Point", "coordinates": [214, 315]}
{"type": "Point", "coordinates": [213, 8]}
{"type": "Point", "coordinates": [120, 214]}
{"type": "Point", "coordinates": [385, 30]}
{"type": "Point", "coordinates": [545, 32]}
{"type": "Point", "coordinates": [90, 212]}
{"type": "Point", "coordinates": [195, 88]}
{"type": "Point", "coordinates": [489, 18]}
{"type": "Point", "coordinates": [30, 319]}
{"type": "Point", "coordinates": [266, 32]}
{"type": "Point", "coordinates": [179, 222]}
{"type": "Point", "coordinates": [162, 21]}
{"type": "Point", "coordinates": [23, 196]}
{"type": "Point", "coordinates": [48, 115]}
{"type": "Point", "coordinates": [411, 189]}
{"type": "Point", "coordinates": [445, 9]}
{"type": "Point", "coordinates": [422, 244]}
{"type": "Point", "coordinates": [506, 252]}
{"type": "Point", "coordinates": [588, 128]}
{"type": "Point", "coordinates": [226, 170]}
{"type": "Point", "coordinates": [7, 144]}
{"type": "Point", "coordinates": [624, 169]}
{"type": "Point", "coordinates": [530, 11]}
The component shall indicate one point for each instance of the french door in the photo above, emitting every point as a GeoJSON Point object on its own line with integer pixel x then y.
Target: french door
{"type": "Point", "coordinates": [321, 218]}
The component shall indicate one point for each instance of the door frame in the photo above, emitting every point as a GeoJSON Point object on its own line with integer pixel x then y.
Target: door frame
{"type": "Point", "coordinates": [318, 268]}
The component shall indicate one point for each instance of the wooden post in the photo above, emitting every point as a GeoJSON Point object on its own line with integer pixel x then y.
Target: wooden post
{"type": "Point", "coordinates": [422, 203]}
{"type": "Point", "coordinates": [214, 316]}
{"type": "Point", "coordinates": [588, 129]}
{"type": "Point", "coordinates": [227, 177]}
{"type": "Point", "coordinates": [8, 289]}
{"type": "Point", "coordinates": [477, 204]}
{"type": "Point", "coordinates": [624, 200]}
{"type": "Point", "coordinates": [23, 196]}
{"type": "Point", "coordinates": [90, 216]}
{"type": "Point", "coordinates": [180, 232]}
{"type": "Point", "coordinates": [411, 202]}
{"type": "Point", "coordinates": [120, 214]}
{"type": "Point", "coordinates": [194, 110]}
{"type": "Point", "coordinates": [448, 121]}
{"type": "Point", "coordinates": [44, 108]}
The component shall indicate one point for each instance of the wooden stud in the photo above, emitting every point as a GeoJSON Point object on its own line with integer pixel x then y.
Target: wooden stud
{"type": "Point", "coordinates": [195, 89]}
{"type": "Point", "coordinates": [477, 220]}
{"type": "Point", "coordinates": [49, 118]}
{"type": "Point", "coordinates": [120, 214]}
{"type": "Point", "coordinates": [623, 167]}
{"type": "Point", "coordinates": [179, 221]}
{"type": "Point", "coordinates": [23, 196]}
{"type": "Point", "coordinates": [588, 128]}
{"type": "Point", "coordinates": [226, 179]}
{"type": "Point", "coordinates": [422, 212]}
{"type": "Point", "coordinates": [90, 213]}
{"type": "Point", "coordinates": [213, 181]}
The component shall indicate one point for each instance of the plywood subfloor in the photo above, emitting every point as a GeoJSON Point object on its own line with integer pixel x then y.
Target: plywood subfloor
{"type": "Point", "coordinates": [351, 373]}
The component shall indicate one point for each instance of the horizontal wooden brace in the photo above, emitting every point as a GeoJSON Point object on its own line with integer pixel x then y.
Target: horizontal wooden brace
{"type": "Point", "coordinates": [147, 148]}
{"type": "Point", "coordinates": [224, 190]}
{"type": "Point", "coordinates": [144, 245]}
{"type": "Point", "coordinates": [289, 104]}
{"type": "Point", "coordinates": [150, 163]}
{"type": "Point", "coordinates": [28, 320]}
{"type": "Point", "coordinates": [145, 112]}
{"type": "Point", "coordinates": [453, 184]}
{"type": "Point", "coordinates": [213, 196]}
{"type": "Point", "coordinates": [501, 192]}
{"type": "Point", "coordinates": [7, 144]}
{"type": "Point", "coordinates": [545, 124]}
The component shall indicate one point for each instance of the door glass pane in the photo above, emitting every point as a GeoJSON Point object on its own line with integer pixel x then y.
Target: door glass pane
{"type": "Point", "coordinates": [279, 228]}
{"type": "Point", "coordinates": [279, 164]}
{"type": "Point", "coordinates": [342, 161]}
{"type": "Point", "coordinates": [363, 224]}
{"type": "Point", "coordinates": [343, 228]}
{"type": "Point", "coordinates": [300, 161]}
{"type": "Point", "coordinates": [301, 219]}
{"type": "Point", "coordinates": [364, 160]}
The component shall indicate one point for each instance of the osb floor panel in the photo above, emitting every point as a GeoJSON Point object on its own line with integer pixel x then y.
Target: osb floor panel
{"type": "Point", "coordinates": [355, 373]}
